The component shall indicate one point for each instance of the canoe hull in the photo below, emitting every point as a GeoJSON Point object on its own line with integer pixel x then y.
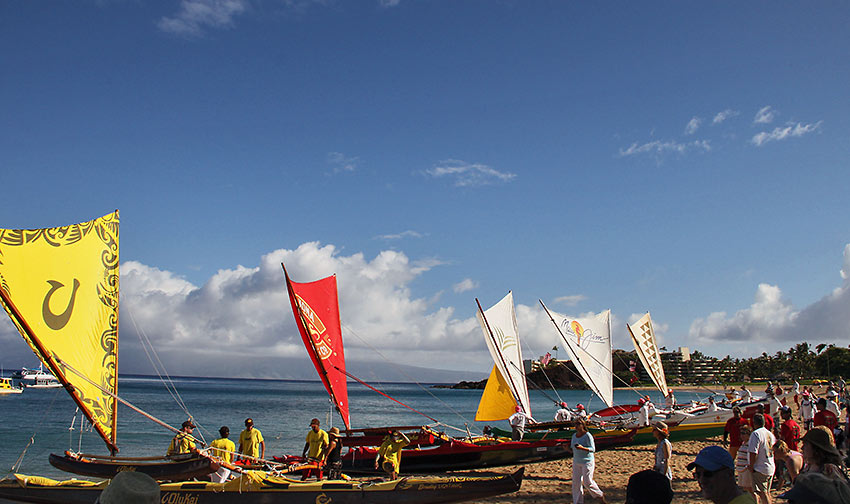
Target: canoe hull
{"type": "Point", "coordinates": [613, 438]}
{"type": "Point", "coordinates": [413, 490]}
{"type": "Point", "coordinates": [177, 469]}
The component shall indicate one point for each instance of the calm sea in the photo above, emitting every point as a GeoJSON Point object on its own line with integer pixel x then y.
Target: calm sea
{"type": "Point", "coordinates": [281, 410]}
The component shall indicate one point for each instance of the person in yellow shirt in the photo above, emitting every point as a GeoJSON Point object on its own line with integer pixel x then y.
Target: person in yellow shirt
{"type": "Point", "coordinates": [317, 440]}
{"type": "Point", "coordinates": [223, 448]}
{"type": "Point", "coordinates": [182, 442]}
{"type": "Point", "coordinates": [390, 451]}
{"type": "Point", "coordinates": [251, 442]}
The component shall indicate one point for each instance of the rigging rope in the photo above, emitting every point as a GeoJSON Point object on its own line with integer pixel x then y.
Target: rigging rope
{"type": "Point", "coordinates": [17, 465]}
{"type": "Point", "coordinates": [167, 382]}
{"type": "Point", "coordinates": [350, 330]}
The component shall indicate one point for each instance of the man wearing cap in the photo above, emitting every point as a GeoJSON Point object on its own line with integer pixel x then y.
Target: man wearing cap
{"type": "Point", "coordinates": [643, 413]}
{"type": "Point", "coordinates": [251, 442]}
{"type": "Point", "coordinates": [317, 440]}
{"type": "Point", "coordinates": [331, 456]}
{"type": "Point", "coordinates": [390, 452]}
{"type": "Point", "coordinates": [182, 442]}
{"type": "Point", "coordinates": [223, 448]}
{"type": "Point", "coordinates": [714, 471]}
{"type": "Point", "coordinates": [732, 431]}
{"type": "Point", "coordinates": [518, 421]}
{"type": "Point", "coordinates": [563, 414]}
{"type": "Point", "coordinates": [762, 465]}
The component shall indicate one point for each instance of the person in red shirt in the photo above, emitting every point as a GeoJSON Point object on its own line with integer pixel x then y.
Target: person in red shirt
{"type": "Point", "coordinates": [789, 431]}
{"type": "Point", "coordinates": [768, 420]}
{"type": "Point", "coordinates": [825, 417]}
{"type": "Point", "coordinates": [732, 431]}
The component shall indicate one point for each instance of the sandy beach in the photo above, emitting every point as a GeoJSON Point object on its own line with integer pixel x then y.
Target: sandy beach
{"type": "Point", "coordinates": [548, 481]}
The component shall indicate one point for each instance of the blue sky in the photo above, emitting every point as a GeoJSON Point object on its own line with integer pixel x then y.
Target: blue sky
{"type": "Point", "coordinates": [687, 159]}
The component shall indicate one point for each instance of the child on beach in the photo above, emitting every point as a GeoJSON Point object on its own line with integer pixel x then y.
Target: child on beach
{"type": "Point", "coordinates": [742, 460]}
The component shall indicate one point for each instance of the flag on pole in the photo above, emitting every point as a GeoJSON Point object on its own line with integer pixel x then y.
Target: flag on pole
{"type": "Point", "coordinates": [544, 361]}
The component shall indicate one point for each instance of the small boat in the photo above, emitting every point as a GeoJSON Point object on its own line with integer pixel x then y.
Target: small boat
{"type": "Point", "coordinates": [36, 378]}
{"type": "Point", "coordinates": [184, 466]}
{"type": "Point", "coordinates": [6, 387]}
{"type": "Point", "coordinates": [257, 487]}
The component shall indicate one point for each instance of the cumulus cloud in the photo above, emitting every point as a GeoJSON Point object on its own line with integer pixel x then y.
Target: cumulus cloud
{"type": "Point", "coordinates": [468, 174]}
{"type": "Point", "coordinates": [659, 148]}
{"type": "Point", "coordinates": [693, 125]}
{"type": "Point", "coordinates": [467, 284]}
{"type": "Point", "coordinates": [722, 116]}
{"type": "Point", "coordinates": [773, 319]}
{"type": "Point", "coordinates": [342, 163]}
{"type": "Point", "coordinates": [196, 15]}
{"type": "Point", "coordinates": [789, 131]}
{"type": "Point", "coordinates": [765, 115]}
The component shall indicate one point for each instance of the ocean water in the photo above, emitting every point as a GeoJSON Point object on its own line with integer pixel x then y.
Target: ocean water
{"type": "Point", "coordinates": [39, 422]}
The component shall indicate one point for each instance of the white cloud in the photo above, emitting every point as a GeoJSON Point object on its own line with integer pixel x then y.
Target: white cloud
{"type": "Point", "coordinates": [465, 285]}
{"type": "Point", "coordinates": [569, 300]}
{"type": "Point", "coordinates": [765, 115]}
{"type": "Point", "coordinates": [722, 116]}
{"type": "Point", "coordinates": [342, 163]}
{"type": "Point", "coordinates": [772, 318]}
{"type": "Point", "coordinates": [659, 148]}
{"type": "Point", "coordinates": [195, 15]}
{"type": "Point", "coordinates": [404, 234]}
{"type": "Point", "coordinates": [468, 174]}
{"type": "Point", "coordinates": [693, 125]}
{"type": "Point", "coordinates": [794, 130]}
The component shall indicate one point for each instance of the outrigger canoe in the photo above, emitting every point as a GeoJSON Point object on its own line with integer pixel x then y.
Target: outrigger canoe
{"type": "Point", "coordinates": [611, 438]}
{"type": "Point", "coordinates": [256, 487]}
{"type": "Point", "coordinates": [175, 468]}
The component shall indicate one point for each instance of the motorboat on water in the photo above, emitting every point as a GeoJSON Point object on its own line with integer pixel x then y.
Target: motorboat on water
{"type": "Point", "coordinates": [36, 378]}
{"type": "Point", "coordinates": [7, 387]}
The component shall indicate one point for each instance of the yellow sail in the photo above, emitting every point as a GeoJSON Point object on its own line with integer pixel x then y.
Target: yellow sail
{"type": "Point", "coordinates": [497, 402]}
{"type": "Point", "coordinates": [60, 287]}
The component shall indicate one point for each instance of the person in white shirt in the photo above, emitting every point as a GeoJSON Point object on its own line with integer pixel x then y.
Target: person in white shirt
{"type": "Point", "coordinates": [670, 400]}
{"type": "Point", "coordinates": [807, 410]}
{"type": "Point", "coordinates": [518, 421]}
{"type": "Point", "coordinates": [762, 465]}
{"type": "Point", "coordinates": [563, 414]}
{"type": "Point", "coordinates": [712, 406]}
{"type": "Point", "coordinates": [642, 419]}
{"type": "Point", "coordinates": [580, 411]}
{"type": "Point", "coordinates": [748, 396]}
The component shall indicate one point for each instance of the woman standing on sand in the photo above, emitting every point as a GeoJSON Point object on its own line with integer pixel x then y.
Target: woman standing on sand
{"type": "Point", "coordinates": [582, 446]}
{"type": "Point", "coordinates": [663, 450]}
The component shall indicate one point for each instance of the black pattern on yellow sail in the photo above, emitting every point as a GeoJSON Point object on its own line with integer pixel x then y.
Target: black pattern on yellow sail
{"type": "Point", "coordinates": [60, 287]}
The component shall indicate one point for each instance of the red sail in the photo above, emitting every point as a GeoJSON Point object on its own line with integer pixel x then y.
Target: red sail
{"type": "Point", "coordinates": [316, 309]}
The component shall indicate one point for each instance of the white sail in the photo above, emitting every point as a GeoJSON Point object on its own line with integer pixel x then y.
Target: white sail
{"type": "Point", "coordinates": [647, 350]}
{"type": "Point", "coordinates": [588, 341]}
{"type": "Point", "coordinates": [502, 336]}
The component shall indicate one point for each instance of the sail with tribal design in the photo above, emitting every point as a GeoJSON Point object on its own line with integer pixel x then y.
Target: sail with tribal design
{"type": "Point", "coordinates": [60, 288]}
{"type": "Point", "coordinates": [506, 387]}
{"type": "Point", "coordinates": [643, 336]}
{"type": "Point", "coordinates": [316, 309]}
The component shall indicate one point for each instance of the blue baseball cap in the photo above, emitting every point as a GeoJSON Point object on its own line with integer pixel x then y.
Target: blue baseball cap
{"type": "Point", "coordinates": [713, 458]}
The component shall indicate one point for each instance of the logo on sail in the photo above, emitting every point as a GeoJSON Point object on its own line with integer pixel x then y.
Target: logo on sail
{"type": "Point", "coordinates": [316, 328]}
{"type": "Point", "coordinates": [505, 341]}
{"type": "Point", "coordinates": [53, 321]}
{"type": "Point", "coordinates": [582, 336]}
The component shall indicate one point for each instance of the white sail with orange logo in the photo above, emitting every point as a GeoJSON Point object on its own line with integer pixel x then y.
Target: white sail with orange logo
{"type": "Point", "coordinates": [60, 287]}
{"type": "Point", "coordinates": [316, 309]}
{"type": "Point", "coordinates": [588, 342]}
{"type": "Point", "coordinates": [647, 349]}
